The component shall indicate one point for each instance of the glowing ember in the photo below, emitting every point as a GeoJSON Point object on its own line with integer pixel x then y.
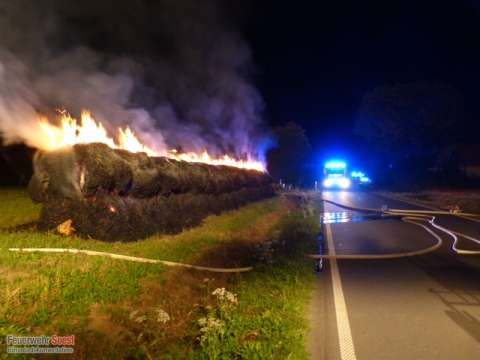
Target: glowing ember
{"type": "Point", "coordinates": [70, 132]}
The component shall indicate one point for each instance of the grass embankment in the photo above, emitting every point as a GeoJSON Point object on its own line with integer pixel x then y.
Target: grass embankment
{"type": "Point", "coordinates": [118, 309]}
{"type": "Point", "coordinates": [269, 320]}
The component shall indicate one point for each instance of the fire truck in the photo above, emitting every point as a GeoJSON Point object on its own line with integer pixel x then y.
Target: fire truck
{"type": "Point", "coordinates": [335, 175]}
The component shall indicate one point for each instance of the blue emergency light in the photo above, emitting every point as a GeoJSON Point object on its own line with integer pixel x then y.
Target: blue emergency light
{"type": "Point", "coordinates": [357, 174]}
{"type": "Point", "coordinates": [335, 172]}
{"type": "Point", "coordinates": [335, 164]}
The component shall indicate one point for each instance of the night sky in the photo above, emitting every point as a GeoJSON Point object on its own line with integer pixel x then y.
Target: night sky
{"type": "Point", "coordinates": [199, 72]}
{"type": "Point", "coordinates": [316, 60]}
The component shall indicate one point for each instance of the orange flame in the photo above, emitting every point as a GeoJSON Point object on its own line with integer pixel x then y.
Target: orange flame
{"type": "Point", "coordinates": [70, 132]}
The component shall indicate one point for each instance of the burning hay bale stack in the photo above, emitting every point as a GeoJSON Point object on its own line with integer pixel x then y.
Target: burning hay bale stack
{"type": "Point", "coordinates": [112, 194]}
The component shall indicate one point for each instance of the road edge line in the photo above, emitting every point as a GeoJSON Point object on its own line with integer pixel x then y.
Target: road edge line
{"type": "Point", "coordinates": [345, 340]}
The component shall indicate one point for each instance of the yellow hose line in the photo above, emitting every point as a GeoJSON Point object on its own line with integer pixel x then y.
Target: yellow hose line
{"type": "Point", "coordinates": [132, 258]}
{"type": "Point", "coordinates": [409, 216]}
{"type": "Point", "coordinates": [468, 216]}
{"type": "Point", "coordinates": [387, 256]}
{"type": "Point", "coordinates": [436, 212]}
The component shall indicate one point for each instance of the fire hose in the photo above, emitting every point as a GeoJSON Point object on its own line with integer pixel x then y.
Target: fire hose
{"type": "Point", "coordinates": [412, 217]}
{"type": "Point", "coordinates": [408, 216]}
{"type": "Point", "coordinates": [132, 258]}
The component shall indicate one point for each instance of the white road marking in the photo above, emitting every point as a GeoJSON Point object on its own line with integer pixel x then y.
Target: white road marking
{"type": "Point", "coordinates": [347, 350]}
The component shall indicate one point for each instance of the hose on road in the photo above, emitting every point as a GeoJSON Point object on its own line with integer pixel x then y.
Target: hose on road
{"type": "Point", "coordinates": [412, 217]}
{"type": "Point", "coordinates": [409, 216]}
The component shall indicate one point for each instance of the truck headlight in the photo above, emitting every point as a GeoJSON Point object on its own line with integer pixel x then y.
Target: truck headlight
{"type": "Point", "coordinates": [344, 183]}
{"type": "Point", "coordinates": [327, 183]}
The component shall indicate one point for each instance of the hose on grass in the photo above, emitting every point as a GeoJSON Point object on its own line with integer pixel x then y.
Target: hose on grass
{"type": "Point", "coordinates": [131, 258]}
{"type": "Point", "coordinates": [413, 217]}
{"type": "Point", "coordinates": [409, 216]}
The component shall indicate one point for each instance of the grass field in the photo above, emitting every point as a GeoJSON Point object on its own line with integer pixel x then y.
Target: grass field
{"type": "Point", "coordinates": [16, 208]}
{"type": "Point", "coordinates": [119, 309]}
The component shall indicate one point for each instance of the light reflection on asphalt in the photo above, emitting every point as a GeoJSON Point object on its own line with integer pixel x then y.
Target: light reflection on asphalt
{"type": "Point", "coordinates": [337, 217]}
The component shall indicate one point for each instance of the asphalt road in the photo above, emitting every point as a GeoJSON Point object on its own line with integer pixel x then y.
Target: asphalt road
{"type": "Point", "coordinates": [425, 307]}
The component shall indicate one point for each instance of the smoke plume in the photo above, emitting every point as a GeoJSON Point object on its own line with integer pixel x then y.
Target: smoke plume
{"type": "Point", "coordinates": [177, 72]}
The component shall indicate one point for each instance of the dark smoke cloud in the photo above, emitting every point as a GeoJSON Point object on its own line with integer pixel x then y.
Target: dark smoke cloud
{"type": "Point", "coordinates": [176, 71]}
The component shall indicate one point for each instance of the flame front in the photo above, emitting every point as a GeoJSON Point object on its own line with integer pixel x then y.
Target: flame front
{"type": "Point", "coordinates": [70, 132]}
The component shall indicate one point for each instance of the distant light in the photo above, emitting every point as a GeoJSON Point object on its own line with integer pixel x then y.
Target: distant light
{"type": "Point", "coordinates": [357, 174]}
{"type": "Point", "coordinates": [328, 182]}
{"type": "Point", "coordinates": [344, 183]}
{"type": "Point", "coordinates": [338, 182]}
{"type": "Point", "coordinates": [335, 164]}
{"type": "Point", "coordinates": [365, 179]}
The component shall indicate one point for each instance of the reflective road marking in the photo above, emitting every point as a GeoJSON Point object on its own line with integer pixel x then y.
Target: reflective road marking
{"type": "Point", "coordinates": [347, 350]}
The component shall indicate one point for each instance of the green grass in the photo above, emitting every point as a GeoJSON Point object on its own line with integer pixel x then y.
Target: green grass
{"type": "Point", "coordinates": [54, 293]}
{"type": "Point", "coordinates": [16, 208]}
{"type": "Point", "coordinates": [213, 231]}
{"type": "Point", "coordinates": [40, 291]}
{"type": "Point", "coordinates": [269, 321]}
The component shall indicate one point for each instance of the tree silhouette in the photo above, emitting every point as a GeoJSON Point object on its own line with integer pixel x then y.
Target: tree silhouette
{"type": "Point", "coordinates": [286, 161]}
{"type": "Point", "coordinates": [411, 119]}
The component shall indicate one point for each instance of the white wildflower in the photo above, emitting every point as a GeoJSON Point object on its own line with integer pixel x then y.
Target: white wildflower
{"type": "Point", "coordinates": [225, 297]}
{"type": "Point", "coordinates": [219, 292]}
{"type": "Point", "coordinates": [231, 298]}
{"type": "Point", "coordinates": [210, 326]}
{"type": "Point", "coordinates": [162, 316]}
